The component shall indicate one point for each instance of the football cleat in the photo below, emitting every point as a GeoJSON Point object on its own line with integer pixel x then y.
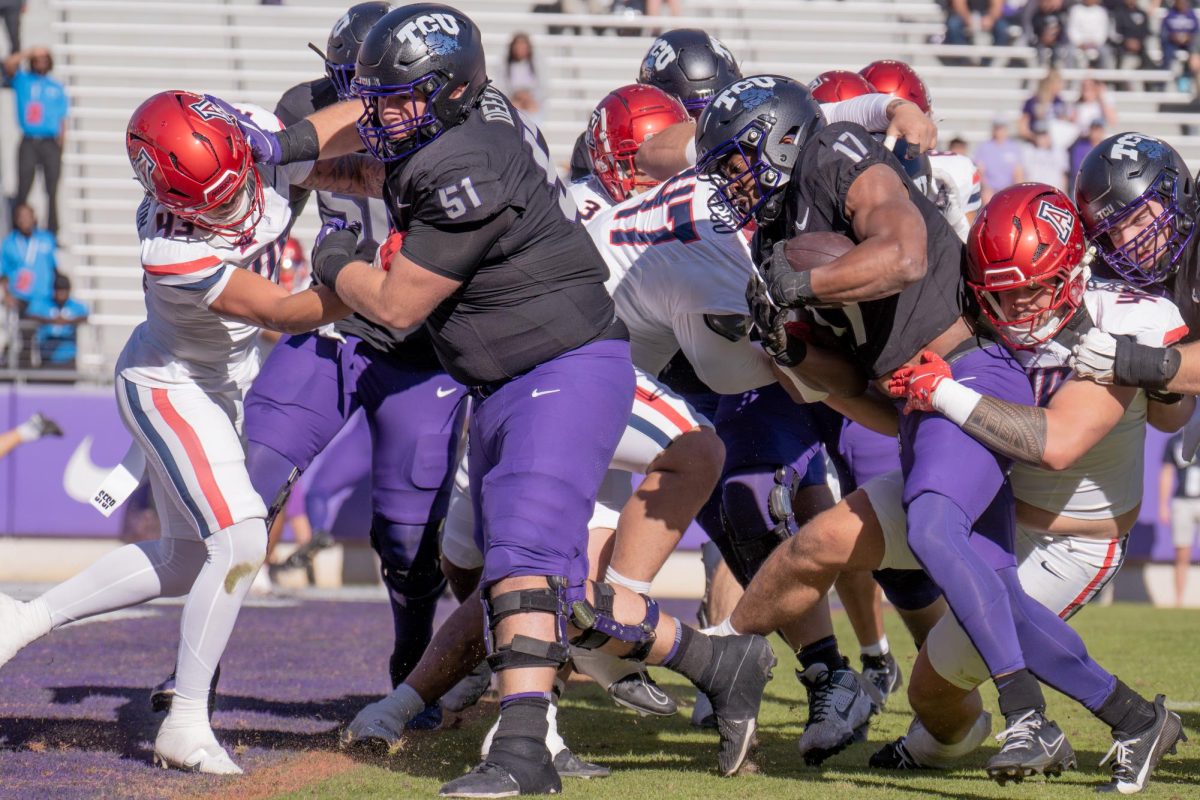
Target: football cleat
{"type": "Point", "coordinates": [467, 692]}
{"type": "Point", "coordinates": [20, 624]}
{"type": "Point", "coordinates": [838, 707]}
{"type": "Point", "coordinates": [894, 756]}
{"type": "Point", "coordinates": [742, 670]}
{"type": "Point", "coordinates": [192, 749]}
{"type": "Point", "coordinates": [570, 765]}
{"type": "Point", "coordinates": [162, 695]}
{"type": "Point", "coordinates": [883, 674]}
{"type": "Point", "coordinates": [1032, 745]}
{"type": "Point", "coordinates": [702, 713]}
{"type": "Point", "coordinates": [639, 692]}
{"type": "Point", "coordinates": [518, 766]}
{"type": "Point", "coordinates": [303, 556]}
{"type": "Point", "coordinates": [1135, 757]}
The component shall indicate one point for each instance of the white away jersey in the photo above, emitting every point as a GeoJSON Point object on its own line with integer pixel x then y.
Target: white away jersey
{"type": "Point", "coordinates": [1107, 481]}
{"type": "Point", "coordinates": [181, 341]}
{"type": "Point", "coordinates": [670, 268]}
{"type": "Point", "coordinates": [958, 177]}
{"type": "Point", "coordinates": [590, 197]}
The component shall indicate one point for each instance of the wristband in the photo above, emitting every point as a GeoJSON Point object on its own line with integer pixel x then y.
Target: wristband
{"type": "Point", "coordinates": [298, 143]}
{"type": "Point", "coordinates": [954, 401]}
{"type": "Point", "coordinates": [332, 256]}
{"type": "Point", "coordinates": [689, 152]}
{"type": "Point", "coordinates": [1150, 368]}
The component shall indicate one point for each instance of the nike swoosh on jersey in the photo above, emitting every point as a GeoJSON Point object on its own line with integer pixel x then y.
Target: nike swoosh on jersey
{"type": "Point", "coordinates": [803, 224]}
{"type": "Point", "coordinates": [540, 392]}
{"type": "Point", "coordinates": [446, 392]}
{"type": "Point", "coordinates": [82, 475]}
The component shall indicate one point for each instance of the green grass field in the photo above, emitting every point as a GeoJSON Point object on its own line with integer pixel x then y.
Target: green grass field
{"type": "Point", "coordinates": [1152, 650]}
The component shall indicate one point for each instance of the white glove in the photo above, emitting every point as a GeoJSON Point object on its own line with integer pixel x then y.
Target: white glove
{"type": "Point", "coordinates": [384, 720]}
{"type": "Point", "coordinates": [1094, 356]}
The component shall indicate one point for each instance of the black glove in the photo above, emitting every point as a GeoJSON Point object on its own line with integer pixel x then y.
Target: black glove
{"type": "Point", "coordinates": [336, 245]}
{"type": "Point", "coordinates": [789, 289]}
{"type": "Point", "coordinates": [770, 321]}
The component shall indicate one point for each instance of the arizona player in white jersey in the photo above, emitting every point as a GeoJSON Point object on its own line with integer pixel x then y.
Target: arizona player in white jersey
{"type": "Point", "coordinates": [1077, 475]}
{"type": "Point", "coordinates": [212, 229]}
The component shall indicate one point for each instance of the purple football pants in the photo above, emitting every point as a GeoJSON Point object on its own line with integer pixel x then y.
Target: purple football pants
{"type": "Point", "coordinates": [540, 445]}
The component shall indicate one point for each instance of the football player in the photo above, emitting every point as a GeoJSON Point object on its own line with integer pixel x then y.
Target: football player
{"type": "Point", "coordinates": [894, 295]}
{"type": "Point", "coordinates": [212, 227]}
{"type": "Point", "coordinates": [1075, 497]}
{"type": "Point", "coordinates": [511, 289]}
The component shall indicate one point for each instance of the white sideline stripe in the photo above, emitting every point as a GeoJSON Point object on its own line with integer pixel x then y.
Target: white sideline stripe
{"type": "Point", "coordinates": [1183, 705]}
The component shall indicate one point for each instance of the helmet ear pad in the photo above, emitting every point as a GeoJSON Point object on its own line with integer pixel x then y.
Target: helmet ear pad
{"type": "Point", "coordinates": [1189, 202]}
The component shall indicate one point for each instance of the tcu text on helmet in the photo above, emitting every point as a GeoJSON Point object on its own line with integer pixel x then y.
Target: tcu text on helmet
{"type": "Point", "coordinates": [425, 24]}
{"type": "Point", "coordinates": [728, 96]}
{"type": "Point", "coordinates": [1126, 147]}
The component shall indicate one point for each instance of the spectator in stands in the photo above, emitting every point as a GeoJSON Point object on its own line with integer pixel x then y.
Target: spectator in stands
{"type": "Point", "coordinates": [965, 17]}
{"type": "Point", "coordinates": [1093, 105]}
{"type": "Point", "coordinates": [42, 114]}
{"type": "Point", "coordinates": [1093, 135]}
{"type": "Point", "coordinates": [958, 146]}
{"type": "Point", "coordinates": [654, 7]}
{"type": "Point", "coordinates": [60, 319]}
{"type": "Point", "coordinates": [1042, 162]}
{"type": "Point", "coordinates": [12, 10]}
{"type": "Point", "coordinates": [999, 160]}
{"type": "Point", "coordinates": [28, 431]}
{"type": "Point", "coordinates": [1179, 40]}
{"type": "Point", "coordinates": [1179, 506]}
{"type": "Point", "coordinates": [28, 261]}
{"type": "Point", "coordinates": [520, 68]}
{"type": "Point", "coordinates": [525, 101]}
{"type": "Point", "coordinates": [1046, 30]}
{"type": "Point", "coordinates": [1045, 105]}
{"type": "Point", "coordinates": [1131, 29]}
{"type": "Point", "coordinates": [1087, 30]}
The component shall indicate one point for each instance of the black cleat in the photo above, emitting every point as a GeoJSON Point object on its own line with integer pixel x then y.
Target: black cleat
{"type": "Point", "coordinates": [467, 692]}
{"type": "Point", "coordinates": [1135, 757]}
{"type": "Point", "coordinates": [513, 766]}
{"type": "Point", "coordinates": [1033, 745]}
{"type": "Point", "coordinates": [570, 765]}
{"type": "Point", "coordinates": [639, 692]}
{"type": "Point", "coordinates": [303, 556]}
{"type": "Point", "coordinates": [839, 712]}
{"type": "Point", "coordinates": [162, 695]}
{"type": "Point", "coordinates": [486, 780]}
{"type": "Point", "coordinates": [883, 674]}
{"type": "Point", "coordinates": [894, 756]}
{"type": "Point", "coordinates": [742, 667]}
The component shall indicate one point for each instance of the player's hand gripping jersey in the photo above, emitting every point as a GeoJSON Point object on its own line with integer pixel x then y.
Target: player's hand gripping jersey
{"type": "Point", "coordinates": [185, 270]}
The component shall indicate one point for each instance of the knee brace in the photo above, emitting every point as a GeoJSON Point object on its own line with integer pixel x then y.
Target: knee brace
{"type": "Point", "coordinates": [597, 623]}
{"type": "Point", "coordinates": [524, 651]}
{"type": "Point", "coordinates": [409, 560]}
{"type": "Point", "coordinates": [752, 534]}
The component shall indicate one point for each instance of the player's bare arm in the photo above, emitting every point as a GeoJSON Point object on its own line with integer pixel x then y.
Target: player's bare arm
{"type": "Point", "coordinates": [353, 174]}
{"type": "Point", "coordinates": [891, 253]}
{"type": "Point", "coordinates": [1168, 416]}
{"type": "Point", "coordinates": [869, 409]}
{"type": "Point", "coordinates": [667, 153]}
{"type": "Point", "coordinates": [253, 299]}
{"type": "Point", "coordinates": [1079, 415]}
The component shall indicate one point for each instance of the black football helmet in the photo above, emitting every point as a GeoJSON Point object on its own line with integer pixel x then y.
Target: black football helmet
{"type": "Point", "coordinates": [424, 49]}
{"type": "Point", "coordinates": [767, 120]}
{"type": "Point", "coordinates": [344, 41]}
{"type": "Point", "coordinates": [691, 65]}
{"type": "Point", "coordinates": [1117, 181]}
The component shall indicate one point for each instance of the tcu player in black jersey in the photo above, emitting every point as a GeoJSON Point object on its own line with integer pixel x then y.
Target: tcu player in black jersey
{"type": "Point", "coordinates": [1141, 208]}
{"type": "Point", "coordinates": [313, 383]}
{"type": "Point", "coordinates": [765, 145]}
{"type": "Point", "coordinates": [512, 291]}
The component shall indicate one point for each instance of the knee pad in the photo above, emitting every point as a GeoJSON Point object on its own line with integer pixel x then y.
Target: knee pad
{"type": "Point", "coordinates": [597, 623]}
{"type": "Point", "coordinates": [409, 560]}
{"type": "Point", "coordinates": [525, 651]}
{"type": "Point", "coordinates": [272, 475]}
{"type": "Point", "coordinates": [757, 515]}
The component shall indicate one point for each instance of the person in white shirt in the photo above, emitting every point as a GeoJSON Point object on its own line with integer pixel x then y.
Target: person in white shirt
{"type": "Point", "coordinates": [212, 228]}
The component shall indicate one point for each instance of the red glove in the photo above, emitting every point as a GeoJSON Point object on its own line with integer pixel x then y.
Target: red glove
{"type": "Point", "coordinates": [918, 383]}
{"type": "Point", "coordinates": [389, 248]}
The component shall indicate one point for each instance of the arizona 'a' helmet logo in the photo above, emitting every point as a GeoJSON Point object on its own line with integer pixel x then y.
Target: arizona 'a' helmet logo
{"type": "Point", "coordinates": [1058, 217]}
{"type": "Point", "coordinates": [144, 166]}
{"type": "Point", "coordinates": [207, 109]}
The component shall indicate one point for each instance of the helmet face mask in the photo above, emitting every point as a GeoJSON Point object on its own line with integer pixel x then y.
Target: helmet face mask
{"type": "Point", "coordinates": [1151, 242]}
{"type": "Point", "coordinates": [743, 180]}
{"type": "Point", "coordinates": [1026, 263]}
{"type": "Point", "coordinates": [417, 125]}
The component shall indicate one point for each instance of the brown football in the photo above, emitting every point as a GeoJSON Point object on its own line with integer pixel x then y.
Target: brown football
{"type": "Point", "coordinates": [811, 250]}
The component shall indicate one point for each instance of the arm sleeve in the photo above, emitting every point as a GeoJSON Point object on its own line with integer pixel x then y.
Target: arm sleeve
{"type": "Point", "coordinates": [869, 111]}
{"type": "Point", "coordinates": [454, 251]}
{"type": "Point", "coordinates": [726, 367]}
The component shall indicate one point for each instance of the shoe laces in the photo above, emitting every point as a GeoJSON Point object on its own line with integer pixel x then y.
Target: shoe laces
{"type": "Point", "coordinates": [820, 698]}
{"type": "Point", "coordinates": [1021, 733]}
{"type": "Point", "coordinates": [1121, 755]}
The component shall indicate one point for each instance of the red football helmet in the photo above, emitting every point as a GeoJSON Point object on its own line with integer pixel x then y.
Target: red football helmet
{"type": "Point", "coordinates": [190, 155]}
{"type": "Point", "coordinates": [621, 122]}
{"type": "Point", "coordinates": [293, 266]}
{"type": "Point", "coordinates": [1027, 239]}
{"type": "Point", "coordinates": [835, 85]}
{"type": "Point", "coordinates": [899, 80]}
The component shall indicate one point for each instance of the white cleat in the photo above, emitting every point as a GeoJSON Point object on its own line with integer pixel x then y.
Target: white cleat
{"type": "Point", "coordinates": [192, 749]}
{"type": "Point", "coordinates": [20, 624]}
